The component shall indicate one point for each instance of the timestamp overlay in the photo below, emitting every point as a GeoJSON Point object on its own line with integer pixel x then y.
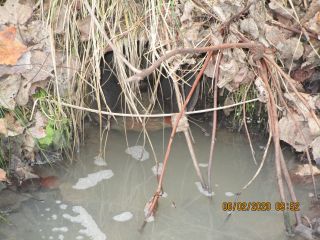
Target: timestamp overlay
{"type": "Point", "coordinates": [245, 206]}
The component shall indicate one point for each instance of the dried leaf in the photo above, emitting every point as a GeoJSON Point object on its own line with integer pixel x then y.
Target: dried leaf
{"type": "Point", "coordinates": [228, 101]}
{"type": "Point", "coordinates": [249, 26]}
{"type": "Point", "coordinates": [291, 49]}
{"type": "Point", "coordinates": [291, 130]}
{"type": "Point", "coordinates": [3, 175]}
{"type": "Point", "coordinates": [15, 13]}
{"type": "Point", "coordinates": [13, 126]}
{"type": "Point", "coordinates": [22, 97]}
{"type": "Point", "coordinates": [42, 67]}
{"type": "Point", "coordinates": [36, 33]}
{"type": "Point", "coordinates": [277, 7]}
{"type": "Point", "coordinates": [65, 73]}
{"type": "Point", "coordinates": [191, 35]}
{"type": "Point", "coordinates": [9, 88]}
{"type": "Point", "coordinates": [38, 131]}
{"type": "Point", "coordinates": [312, 59]}
{"type": "Point", "coordinates": [11, 49]}
{"type": "Point", "coordinates": [84, 26]}
{"type": "Point", "coordinates": [23, 65]}
{"type": "Point", "coordinates": [303, 74]}
{"type": "Point", "coordinates": [41, 84]}
{"type": "Point", "coordinates": [25, 173]}
{"type": "Point", "coordinates": [274, 35]}
{"type": "Point", "coordinates": [316, 148]}
{"type": "Point", "coordinates": [60, 20]}
{"type": "Point", "coordinates": [228, 70]}
{"type": "Point", "coordinates": [3, 127]}
{"type": "Point", "coordinates": [187, 13]}
{"type": "Point", "coordinates": [261, 88]}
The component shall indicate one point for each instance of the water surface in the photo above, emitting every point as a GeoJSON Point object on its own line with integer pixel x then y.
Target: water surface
{"type": "Point", "coordinates": [183, 214]}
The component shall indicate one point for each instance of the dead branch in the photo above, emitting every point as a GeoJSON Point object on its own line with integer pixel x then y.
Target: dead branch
{"type": "Point", "coordinates": [146, 72]}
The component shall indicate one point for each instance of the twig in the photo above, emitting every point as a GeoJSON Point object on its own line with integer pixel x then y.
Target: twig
{"type": "Point", "coordinates": [273, 127]}
{"type": "Point", "coordinates": [292, 29]}
{"type": "Point", "coordinates": [246, 127]}
{"type": "Point", "coordinates": [214, 120]}
{"type": "Point", "coordinates": [156, 196]}
{"type": "Point", "coordinates": [146, 72]}
{"type": "Point", "coordinates": [117, 114]}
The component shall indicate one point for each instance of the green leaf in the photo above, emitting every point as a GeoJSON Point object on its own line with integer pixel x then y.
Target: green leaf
{"type": "Point", "coordinates": [48, 139]}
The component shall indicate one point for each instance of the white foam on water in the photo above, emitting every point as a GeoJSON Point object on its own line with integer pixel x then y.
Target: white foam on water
{"type": "Point", "coordinates": [203, 165]}
{"type": "Point", "coordinates": [50, 237]}
{"type": "Point", "coordinates": [79, 237]}
{"type": "Point", "coordinates": [58, 202]}
{"type": "Point", "coordinates": [42, 215]}
{"type": "Point", "coordinates": [61, 229]}
{"type": "Point", "coordinates": [99, 161]}
{"type": "Point", "coordinates": [123, 217]}
{"type": "Point", "coordinates": [85, 219]}
{"type": "Point", "coordinates": [229, 194]}
{"type": "Point", "coordinates": [138, 153]}
{"type": "Point", "coordinates": [157, 169]}
{"type": "Point", "coordinates": [310, 195]}
{"type": "Point", "coordinates": [60, 237]}
{"type": "Point", "coordinates": [48, 209]}
{"type": "Point", "coordinates": [164, 195]}
{"type": "Point", "coordinates": [63, 206]}
{"type": "Point", "coordinates": [54, 217]}
{"type": "Point", "coordinates": [92, 179]}
{"type": "Point", "coordinates": [202, 191]}
{"type": "Point", "coordinates": [146, 211]}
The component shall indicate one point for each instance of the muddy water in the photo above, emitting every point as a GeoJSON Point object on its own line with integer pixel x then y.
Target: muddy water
{"type": "Point", "coordinates": [72, 212]}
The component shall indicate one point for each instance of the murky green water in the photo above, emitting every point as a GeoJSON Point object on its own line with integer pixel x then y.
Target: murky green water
{"type": "Point", "coordinates": [184, 214]}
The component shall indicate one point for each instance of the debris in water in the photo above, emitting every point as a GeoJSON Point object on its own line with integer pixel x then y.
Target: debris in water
{"type": "Point", "coordinates": [92, 179]}
{"type": "Point", "coordinates": [164, 195]}
{"type": "Point", "coordinates": [157, 169]}
{"type": "Point", "coordinates": [203, 165]}
{"type": "Point", "coordinates": [123, 217]}
{"type": "Point", "coordinates": [85, 219]}
{"type": "Point", "coordinates": [61, 229]}
{"type": "Point", "coordinates": [146, 211]}
{"type": "Point", "coordinates": [311, 195]}
{"type": "Point", "coordinates": [99, 161]}
{"type": "Point", "coordinates": [229, 194]}
{"type": "Point", "coordinates": [138, 153]}
{"type": "Point", "coordinates": [63, 206]}
{"type": "Point", "coordinates": [204, 192]}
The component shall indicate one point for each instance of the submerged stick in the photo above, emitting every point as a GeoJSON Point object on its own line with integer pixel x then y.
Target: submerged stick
{"type": "Point", "coordinates": [274, 128]}
{"type": "Point", "coordinates": [173, 132]}
{"type": "Point", "coordinates": [187, 135]}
